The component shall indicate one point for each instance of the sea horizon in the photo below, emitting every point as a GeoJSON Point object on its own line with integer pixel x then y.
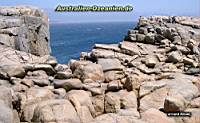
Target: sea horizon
{"type": "Point", "coordinates": [68, 40]}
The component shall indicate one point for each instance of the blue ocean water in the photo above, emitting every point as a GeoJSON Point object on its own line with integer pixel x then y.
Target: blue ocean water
{"type": "Point", "coordinates": [69, 40]}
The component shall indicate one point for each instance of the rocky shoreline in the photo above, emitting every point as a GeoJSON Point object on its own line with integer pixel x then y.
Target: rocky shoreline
{"type": "Point", "coordinates": [154, 71]}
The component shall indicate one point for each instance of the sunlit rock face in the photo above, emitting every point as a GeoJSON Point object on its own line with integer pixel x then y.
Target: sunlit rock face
{"type": "Point", "coordinates": [25, 29]}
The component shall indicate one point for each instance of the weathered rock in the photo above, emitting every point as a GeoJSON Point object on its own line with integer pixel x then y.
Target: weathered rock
{"type": "Point", "coordinates": [183, 49]}
{"type": "Point", "coordinates": [193, 71]}
{"type": "Point", "coordinates": [113, 75]}
{"type": "Point", "coordinates": [131, 37]}
{"type": "Point", "coordinates": [188, 61]}
{"type": "Point", "coordinates": [14, 70]}
{"type": "Point", "coordinates": [6, 115]}
{"type": "Point", "coordinates": [132, 112]}
{"type": "Point", "coordinates": [174, 57]}
{"type": "Point", "coordinates": [101, 53]}
{"type": "Point", "coordinates": [28, 82]}
{"type": "Point", "coordinates": [61, 67]}
{"type": "Point", "coordinates": [30, 100]}
{"type": "Point", "coordinates": [83, 104]}
{"type": "Point", "coordinates": [165, 42]}
{"type": "Point", "coordinates": [195, 103]}
{"type": "Point", "coordinates": [98, 103]}
{"type": "Point", "coordinates": [174, 104]}
{"type": "Point", "coordinates": [38, 77]}
{"type": "Point", "coordinates": [169, 67]}
{"type": "Point", "coordinates": [150, 86]}
{"type": "Point", "coordinates": [112, 103]}
{"type": "Point", "coordinates": [173, 87]}
{"type": "Point", "coordinates": [5, 83]}
{"type": "Point", "coordinates": [90, 71]}
{"type": "Point", "coordinates": [128, 99]}
{"type": "Point", "coordinates": [60, 92]}
{"type": "Point", "coordinates": [95, 88]}
{"type": "Point", "coordinates": [110, 64]}
{"type": "Point", "coordinates": [140, 37]}
{"type": "Point", "coordinates": [150, 38]}
{"type": "Point", "coordinates": [32, 29]}
{"type": "Point", "coordinates": [130, 48]}
{"type": "Point", "coordinates": [147, 70]}
{"type": "Point", "coordinates": [55, 110]}
{"type": "Point", "coordinates": [68, 84]}
{"type": "Point", "coordinates": [143, 30]}
{"type": "Point", "coordinates": [3, 75]}
{"type": "Point", "coordinates": [114, 85]}
{"type": "Point", "coordinates": [6, 96]}
{"type": "Point", "coordinates": [132, 83]}
{"type": "Point", "coordinates": [151, 61]}
{"type": "Point", "coordinates": [107, 47]}
{"type": "Point", "coordinates": [152, 100]}
{"type": "Point", "coordinates": [195, 116]}
{"type": "Point", "coordinates": [47, 68]}
{"type": "Point", "coordinates": [155, 116]}
{"type": "Point", "coordinates": [63, 75]}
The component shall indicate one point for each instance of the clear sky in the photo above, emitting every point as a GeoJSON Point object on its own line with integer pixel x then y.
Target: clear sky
{"type": "Point", "coordinates": [141, 8]}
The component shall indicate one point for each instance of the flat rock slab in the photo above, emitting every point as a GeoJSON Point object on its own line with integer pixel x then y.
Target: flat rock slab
{"type": "Point", "coordinates": [112, 47]}
{"type": "Point", "coordinates": [110, 64]}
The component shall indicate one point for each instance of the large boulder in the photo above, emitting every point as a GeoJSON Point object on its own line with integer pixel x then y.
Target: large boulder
{"type": "Point", "coordinates": [82, 102]}
{"type": "Point", "coordinates": [30, 100]}
{"type": "Point", "coordinates": [55, 111]}
{"type": "Point", "coordinates": [112, 102]}
{"type": "Point", "coordinates": [90, 71]}
{"type": "Point", "coordinates": [174, 104]}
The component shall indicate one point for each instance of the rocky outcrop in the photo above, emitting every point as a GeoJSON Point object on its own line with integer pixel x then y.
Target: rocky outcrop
{"type": "Point", "coordinates": [25, 29]}
{"type": "Point", "coordinates": [154, 71]}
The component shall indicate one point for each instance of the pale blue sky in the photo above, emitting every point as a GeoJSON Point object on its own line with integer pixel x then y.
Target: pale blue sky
{"type": "Point", "coordinates": [141, 7]}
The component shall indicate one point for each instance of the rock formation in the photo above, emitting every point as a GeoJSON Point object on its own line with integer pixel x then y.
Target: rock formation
{"type": "Point", "coordinates": [154, 71]}
{"type": "Point", "coordinates": [25, 29]}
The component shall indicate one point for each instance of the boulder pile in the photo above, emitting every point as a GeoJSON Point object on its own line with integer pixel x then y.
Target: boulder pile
{"type": "Point", "coordinates": [154, 71]}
